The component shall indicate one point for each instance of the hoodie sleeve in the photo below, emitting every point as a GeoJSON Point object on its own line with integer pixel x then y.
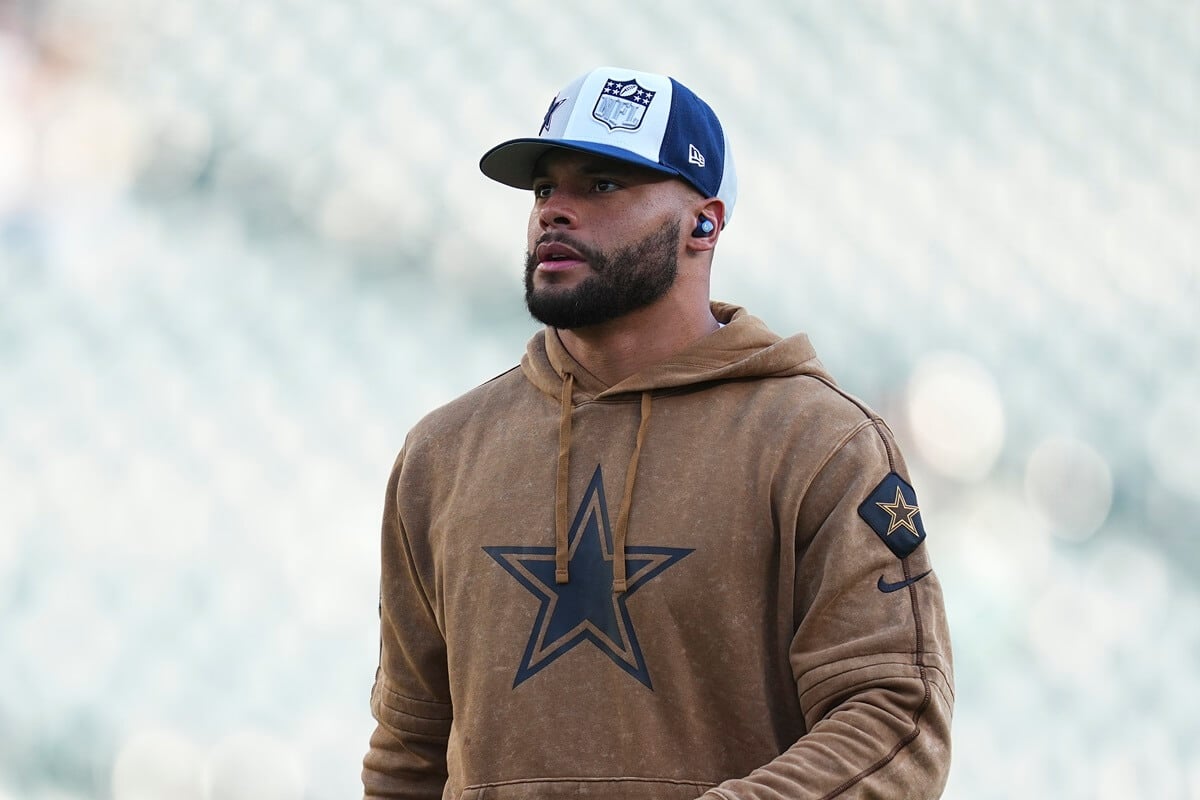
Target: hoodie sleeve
{"type": "Point", "coordinates": [411, 698]}
{"type": "Point", "coordinates": [871, 651]}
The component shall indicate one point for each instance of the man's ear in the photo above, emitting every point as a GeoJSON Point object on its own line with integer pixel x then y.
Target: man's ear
{"type": "Point", "coordinates": [707, 224]}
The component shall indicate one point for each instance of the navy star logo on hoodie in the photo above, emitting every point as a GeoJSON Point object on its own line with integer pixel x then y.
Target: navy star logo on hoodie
{"type": "Point", "coordinates": [585, 609]}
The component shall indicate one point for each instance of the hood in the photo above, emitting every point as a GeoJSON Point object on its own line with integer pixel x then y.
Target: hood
{"type": "Point", "coordinates": [743, 348]}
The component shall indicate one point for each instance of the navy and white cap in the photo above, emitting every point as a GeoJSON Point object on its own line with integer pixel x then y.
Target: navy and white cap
{"type": "Point", "coordinates": [650, 120]}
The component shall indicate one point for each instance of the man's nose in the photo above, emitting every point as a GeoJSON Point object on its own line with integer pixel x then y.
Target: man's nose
{"type": "Point", "coordinates": [558, 211]}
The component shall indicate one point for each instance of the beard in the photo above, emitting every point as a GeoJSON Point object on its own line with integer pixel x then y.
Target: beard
{"type": "Point", "coordinates": [621, 281]}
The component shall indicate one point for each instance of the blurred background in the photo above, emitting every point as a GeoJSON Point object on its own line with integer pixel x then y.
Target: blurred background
{"type": "Point", "coordinates": [244, 246]}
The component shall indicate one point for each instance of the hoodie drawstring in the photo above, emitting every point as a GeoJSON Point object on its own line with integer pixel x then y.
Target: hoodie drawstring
{"type": "Point", "coordinates": [627, 501]}
{"type": "Point", "coordinates": [561, 548]}
{"type": "Point", "coordinates": [560, 487]}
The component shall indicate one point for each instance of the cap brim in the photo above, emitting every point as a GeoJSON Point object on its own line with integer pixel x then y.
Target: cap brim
{"type": "Point", "coordinates": [512, 162]}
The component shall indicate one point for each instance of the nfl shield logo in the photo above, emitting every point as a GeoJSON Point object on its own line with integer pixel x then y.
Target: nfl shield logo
{"type": "Point", "coordinates": [622, 105]}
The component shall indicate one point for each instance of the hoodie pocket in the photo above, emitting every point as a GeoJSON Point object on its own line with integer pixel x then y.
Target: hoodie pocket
{"type": "Point", "coordinates": [591, 788]}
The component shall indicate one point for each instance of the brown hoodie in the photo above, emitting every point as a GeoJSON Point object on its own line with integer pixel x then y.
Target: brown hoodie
{"type": "Point", "coordinates": [779, 633]}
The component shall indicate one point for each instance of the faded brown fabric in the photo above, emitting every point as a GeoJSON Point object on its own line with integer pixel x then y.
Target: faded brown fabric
{"type": "Point", "coordinates": [771, 663]}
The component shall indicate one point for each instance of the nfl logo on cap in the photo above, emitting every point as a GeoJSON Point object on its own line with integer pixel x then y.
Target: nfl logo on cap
{"type": "Point", "coordinates": [622, 104]}
{"type": "Point", "coordinates": [653, 121]}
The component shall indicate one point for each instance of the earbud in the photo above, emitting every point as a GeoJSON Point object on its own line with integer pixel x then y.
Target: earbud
{"type": "Point", "coordinates": [704, 227]}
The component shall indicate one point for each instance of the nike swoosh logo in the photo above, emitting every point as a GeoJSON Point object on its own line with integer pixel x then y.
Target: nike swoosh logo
{"type": "Point", "coordinates": [885, 587]}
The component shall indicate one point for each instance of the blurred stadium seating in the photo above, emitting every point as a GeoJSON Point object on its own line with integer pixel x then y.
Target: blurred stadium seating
{"type": "Point", "coordinates": [245, 246]}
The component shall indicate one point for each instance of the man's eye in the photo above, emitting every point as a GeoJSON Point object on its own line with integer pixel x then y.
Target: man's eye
{"type": "Point", "coordinates": [542, 190]}
{"type": "Point", "coordinates": [604, 185]}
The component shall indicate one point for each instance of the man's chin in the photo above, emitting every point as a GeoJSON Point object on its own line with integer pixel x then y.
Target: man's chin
{"type": "Point", "coordinates": [565, 308]}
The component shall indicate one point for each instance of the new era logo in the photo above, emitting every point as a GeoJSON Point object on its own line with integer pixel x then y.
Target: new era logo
{"type": "Point", "coordinates": [695, 156]}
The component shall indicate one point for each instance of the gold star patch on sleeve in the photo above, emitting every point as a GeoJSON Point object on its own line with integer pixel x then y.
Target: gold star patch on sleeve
{"type": "Point", "coordinates": [891, 511]}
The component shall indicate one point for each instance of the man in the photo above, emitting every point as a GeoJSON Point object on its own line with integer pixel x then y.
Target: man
{"type": "Point", "coordinates": [665, 557]}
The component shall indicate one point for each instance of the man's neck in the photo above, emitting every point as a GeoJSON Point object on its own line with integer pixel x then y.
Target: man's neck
{"type": "Point", "coordinates": [615, 350]}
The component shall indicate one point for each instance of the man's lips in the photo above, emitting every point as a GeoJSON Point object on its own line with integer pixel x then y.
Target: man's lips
{"type": "Point", "coordinates": [556, 256]}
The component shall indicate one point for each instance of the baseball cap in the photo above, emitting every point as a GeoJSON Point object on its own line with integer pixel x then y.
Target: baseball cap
{"type": "Point", "coordinates": [640, 118]}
